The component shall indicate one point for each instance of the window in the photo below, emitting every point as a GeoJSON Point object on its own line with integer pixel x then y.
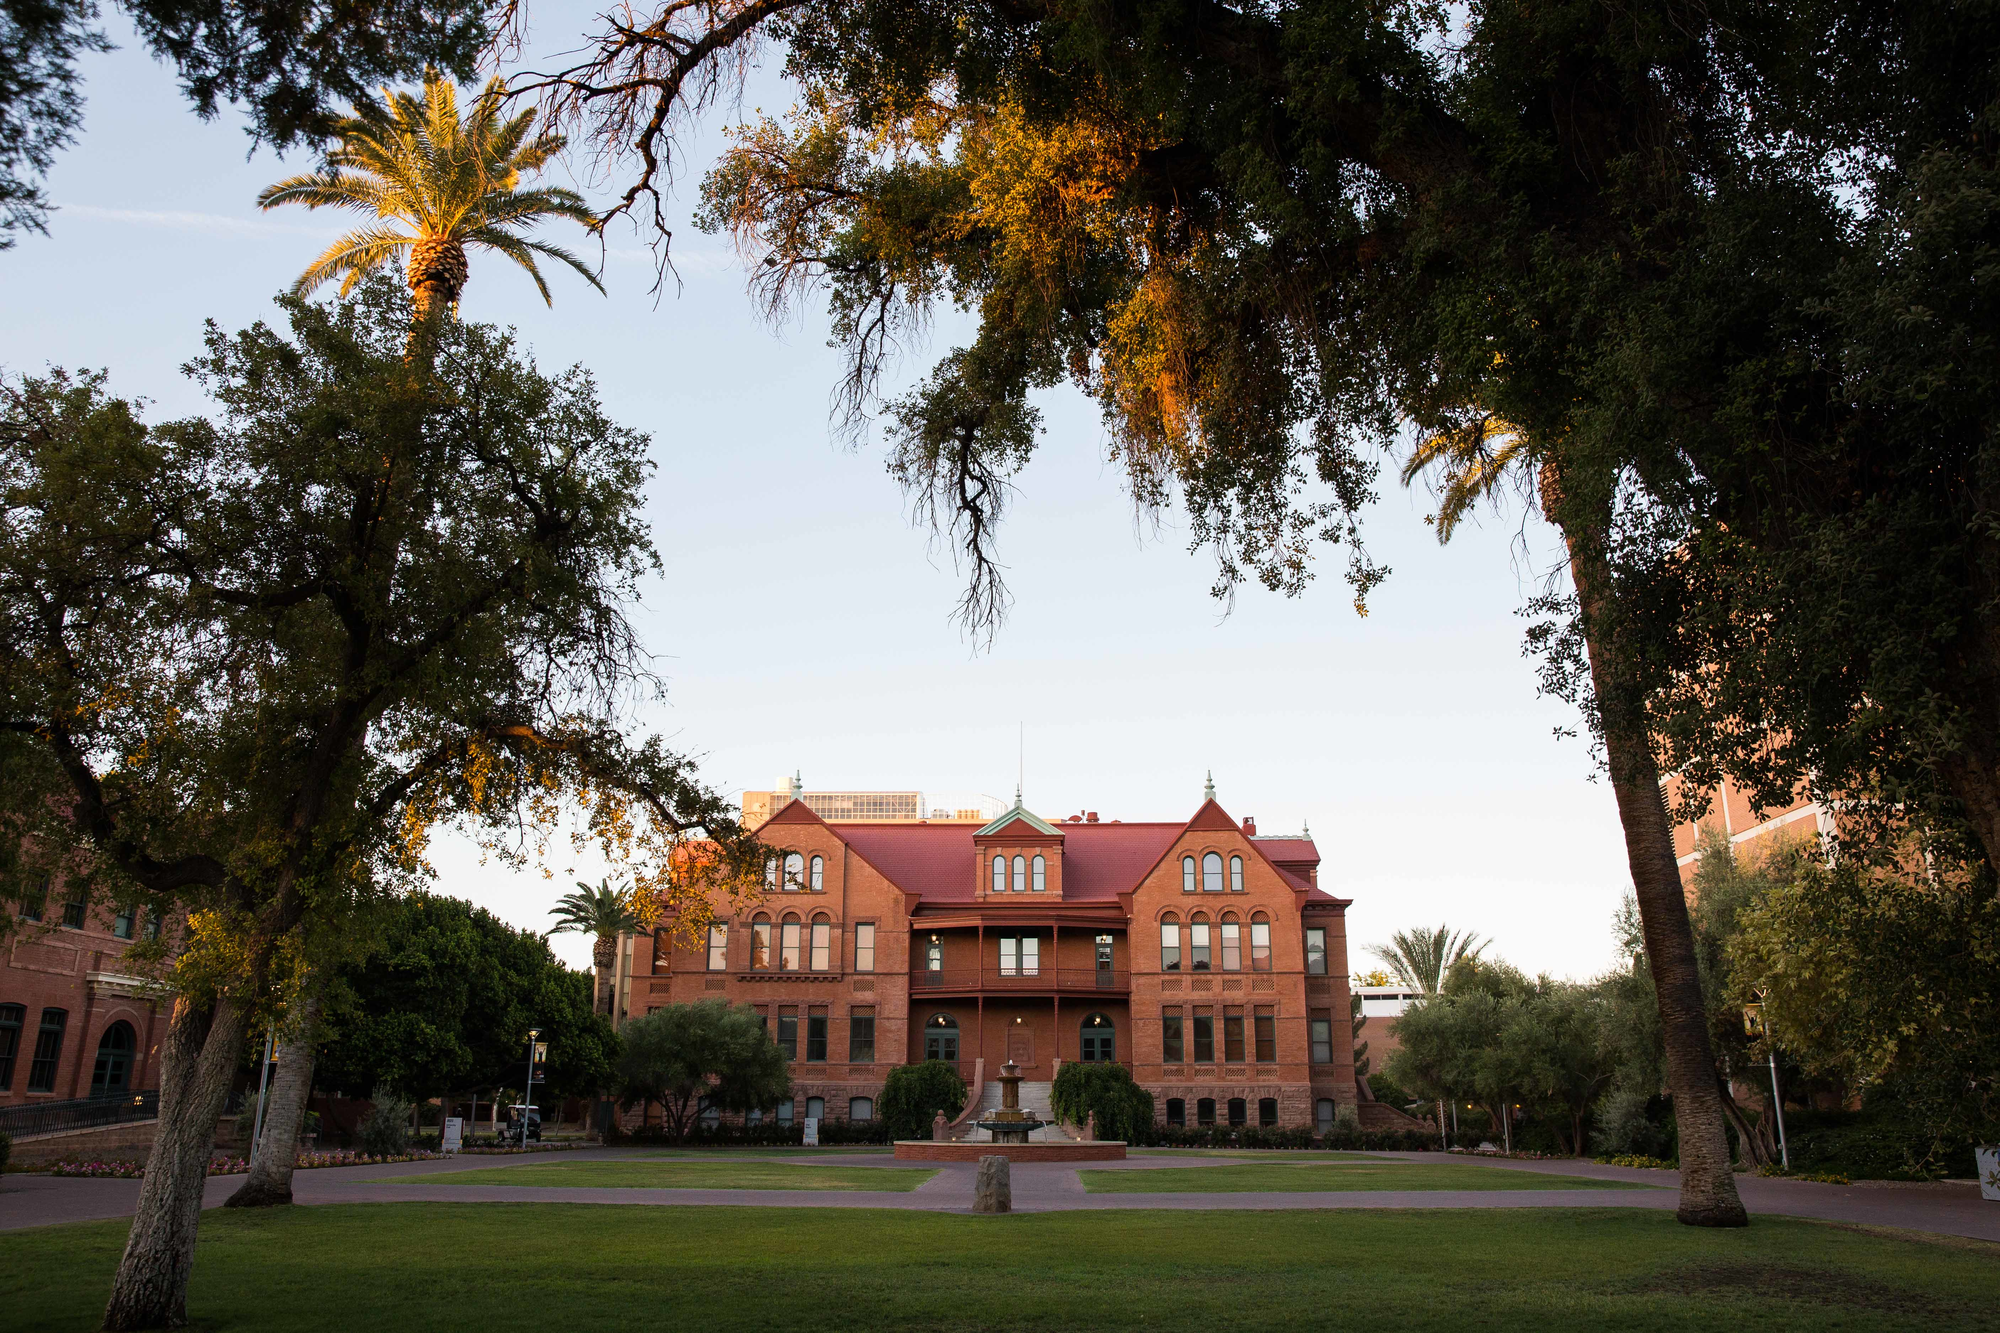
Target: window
{"type": "Point", "coordinates": [788, 1030]}
{"type": "Point", "coordinates": [770, 874]}
{"type": "Point", "coordinates": [816, 1034]}
{"type": "Point", "coordinates": [121, 924]}
{"type": "Point", "coordinates": [1020, 874]}
{"type": "Point", "coordinates": [112, 1076]}
{"type": "Point", "coordinates": [1041, 873]}
{"type": "Point", "coordinates": [822, 944]}
{"type": "Point", "coordinates": [1323, 1114]}
{"type": "Point", "coordinates": [153, 924]}
{"type": "Point", "coordinates": [48, 1051]}
{"type": "Point", "coordinates": [818, 880]}
{"type": "Point", "coordinates": [788, 945]}
{"type": "Point", "coordinates": [718, 947]}
{"type": "Point", "coordinates": [1267, 1034]}
{"type": "Point", "coordinates": [816, 1108]}
{"type": "Point", "coordinates": [785, 1112]}
{"type": "Point", "coordinates": [11, 1017]}
{"type": "Point", "coordinates": [1020, 955]}
{"type": "Point", "coordinates": [1204, 1111]}
{"type": "Point", "coordinates": [1232, 1034]}
{"type": "Point", "coordinates": [711, 1116]}
{"type": "Point", "coordinates": [1267, 1112]}
{"type": "Point", "coordinates": [35, 900]}
{"type": "Point", "coordinates": [760, 943]}
{"type": "Point", "coordinates": [1171, 1050]}
{"type": "Point", "coordinates": [73, 914]}
{"type": "Point", "coordinates": [1187, 874]}
{"type": "Point", "coordinates": [663, 952]}
{"type": "Point", "coordinates": [1211, 873]}
{"type": "Point", "coordinates": [861, 1036]}
{"type": "Point", "coordinates": [999, 874]}
{"type": "Point", "coordinates": [1204, 1034]}
{"type": "Point", "coordinates": [795, 872]}
{"type": "Point", "coordinates": [1176, 1112]}
{"type": "Point", "coordinates": [1260, 943]}
{"type": "Point", "coordinates": [1238, 1111]}
{"type": "Point", "coordinates": [864, 947]}
{"type": "Point", "coordinates": [1232, 944]}
{"type": "Point", "coordinates": [1316, 951]}
{"type": "Point", "coordinates": [860, 1108]}
{"type": "Point", "coordinates": [934, 956]}
{"type": "Point", "coordinates": [1236, 874]}
{"type": "Point", "coordinates": [1100, 1042]}
{"type": "Point", "coordinates": [1170, 943]}
{"type": "Point", "coordinates": [1320, 1023]}
{"type": "Point", "coordinates": [753, 1117]}
{"type": "Point", "coordinates": [1198, 949]}
{"type": "Point", "coordinates": [941, 1036]}
{"type": "Point", "coordinates": [763, 1012]}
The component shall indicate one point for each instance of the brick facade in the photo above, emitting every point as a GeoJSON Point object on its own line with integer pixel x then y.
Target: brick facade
{"type": "Point", "coordinates": [68, 963]}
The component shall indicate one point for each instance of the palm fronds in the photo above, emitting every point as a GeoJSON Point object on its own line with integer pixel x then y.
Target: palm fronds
{"type": "Point", "coordinates": [598, 910]}
{"type": "Point", "coordinates": [1421, 958]}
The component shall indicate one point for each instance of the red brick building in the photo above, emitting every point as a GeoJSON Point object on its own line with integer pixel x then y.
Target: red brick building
{"type": "Point", "coordinates": [72, 1023]}
{"type": "Point", "coordinates": [1201, 955]}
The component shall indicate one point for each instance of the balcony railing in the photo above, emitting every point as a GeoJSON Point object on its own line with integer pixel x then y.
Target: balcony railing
{"type": "Point", "coordinates": [1015, 979]}
{"type": "Point", "coordinates": [83, 1113]}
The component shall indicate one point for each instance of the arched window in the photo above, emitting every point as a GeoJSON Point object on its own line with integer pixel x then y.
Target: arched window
{"type": "Point", "coordinates": [1204, 1111]}
{"type": "Point", "coordinates": [999, 874]}
{"type": "Point", "coordinates": [941, 1036]}
{"type": "Point", "coordinates": [760, 943]}
{"type": "Point", "coordinates": [1236, 874]}
{"type": "Point", "coordinates": [788, 944]}
{"type": "Point", "coordinates": [1170, 943]}
{"type": "Point", "coordinates": [822, 943]}
{"type": "Point", "coordinates": [1260, 942]}
{"type": "Point", "coordinates": [1267, 1112]}
{"type": "Point", "coordinates": [1187, 874]}
{"type": "Point", "coordinates": [795, 872]}
{"type": "Point", "coordinates": [1020, 874]}
{"type": "Point", "coordinates": [770, 874]}
{"type": "Point", "coordinates": [1199, 956]}
{"type": "Point", "coordinates": [1100, 1041]}
{"type": "Point", "coordinates": [1041, 869]}
{"type": "Point", "coordinates": [1232, 943]}
{"type": "Point", "coordinates": [718, 947]}
{"type": "Point", "coordinates": [1238, 1111]}
{"type": "Point", "coordinates": [1211, 873]}
{"type": "Point", "coordinates": [113, 1075]}
{"type": "Point", "coordinates": [819, 874]}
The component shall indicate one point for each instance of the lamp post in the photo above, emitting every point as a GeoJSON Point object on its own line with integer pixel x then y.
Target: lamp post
{"type": "Point", "coordinates": [528, 1094]}
{"type": "Point", "coordinates": [1755, 1024]}
{"type": "Point", "coordinates": [263, 1082]}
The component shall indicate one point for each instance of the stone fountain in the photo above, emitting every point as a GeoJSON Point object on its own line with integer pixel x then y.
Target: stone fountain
{"type": "Point", "coordinates": [1010, 1124]}
{"type": "Point", "coordinates": [1008, 1130]}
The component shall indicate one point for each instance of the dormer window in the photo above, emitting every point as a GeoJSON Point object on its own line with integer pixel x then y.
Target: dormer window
{"type": "Point", "coordinates": [999, 874]}
{"type": "Point", "coordinates": [819, 875]}
{"type": "Point", "coordinates": [1020, 874]}
{"type": "Point", "coordinates": [795, 872]}
{"type": "Point", "coordinates": [1211, 873]}
{"type": "Point", "coordinates": [1041, 883]}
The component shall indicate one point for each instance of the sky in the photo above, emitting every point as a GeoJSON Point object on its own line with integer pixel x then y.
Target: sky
{"type": "Point", "coordinates": [802, 622]}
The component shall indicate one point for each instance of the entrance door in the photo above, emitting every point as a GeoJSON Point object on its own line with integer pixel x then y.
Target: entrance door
{"type": "Point", "coordinates": [1021, 1045]}
{"type": "Point", "coordinates": [112, 1075]}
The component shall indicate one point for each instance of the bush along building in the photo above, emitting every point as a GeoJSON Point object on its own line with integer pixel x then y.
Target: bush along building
{"type": "Point", "coordinates": [1202, 956]}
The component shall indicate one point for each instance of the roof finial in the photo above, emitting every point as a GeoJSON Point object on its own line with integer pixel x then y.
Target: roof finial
{"type": "Point", "coordinates": [1017, 796]}
{"type": "Point", "coordinates": [1208, 792]}
{"type": "Point", "coordinates": [1306, 830]}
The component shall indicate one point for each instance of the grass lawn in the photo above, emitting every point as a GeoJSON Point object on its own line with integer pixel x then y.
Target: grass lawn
{"type": "Point", "coordinates": [743, 1173]}
{"type": "Point", "coordinates": [503, 1267]}
{"type": "Point", "coordinates": [1288, 1155]}
{"type": "Point", "coordinates": [1303, 1177]}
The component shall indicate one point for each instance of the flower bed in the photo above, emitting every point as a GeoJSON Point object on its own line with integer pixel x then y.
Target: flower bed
{"type": "Point", "coordinates": [236, 1166]}
{"type": "Point", "coordinates": [1642, 1163]}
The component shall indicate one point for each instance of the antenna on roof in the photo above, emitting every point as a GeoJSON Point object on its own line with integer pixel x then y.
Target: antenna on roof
{"type": "Point", "coordinates": [1020, 762]}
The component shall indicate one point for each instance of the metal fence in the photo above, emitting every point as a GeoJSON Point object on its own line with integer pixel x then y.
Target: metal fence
{"type": "Point", "coordinates": [84, 1113]}
{"type": "Point", "coordinates": [1042, 979]}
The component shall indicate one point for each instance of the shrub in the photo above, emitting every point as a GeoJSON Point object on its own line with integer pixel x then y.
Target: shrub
{"type": "Point", "coordinates": [1632, 1123]}
{"type": "Point", "coordinates": [1122, 1107]}
{"type": "Point", "coordinates": [6, 1148]}
{"type": "Point", "coordinates": [1643, 1163]}
{"type": "Point", "coordinates": [1380, 1140]}
{"type": "Point", "coordinates": [913, 1094]}
{"type": "Point", "coordinates": [770, 1134]}
{"type": "Point", "coordinates": [386, 1131]}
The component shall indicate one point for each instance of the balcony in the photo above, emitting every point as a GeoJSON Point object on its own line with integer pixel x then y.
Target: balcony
{"type": "Point", "coordinates": [1040, 981]}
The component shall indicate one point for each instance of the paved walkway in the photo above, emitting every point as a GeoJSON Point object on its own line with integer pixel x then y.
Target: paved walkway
{"type": "Point", "coordinates": [1946, 1209]}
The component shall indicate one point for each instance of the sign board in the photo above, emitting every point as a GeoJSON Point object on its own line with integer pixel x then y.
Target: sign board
{"type": "Point", "coordinates": [812, 1131]}
{"type": "Point", "coordinates": [454, 1133]}
{"type": "Point", "coordinates": [541, 1061]}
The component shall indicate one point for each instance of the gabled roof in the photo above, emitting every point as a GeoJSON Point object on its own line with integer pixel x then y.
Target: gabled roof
{"type": "Point", "coordinates": [1020, 814]}
{"type": "Point", "coordinates": [795, 812]}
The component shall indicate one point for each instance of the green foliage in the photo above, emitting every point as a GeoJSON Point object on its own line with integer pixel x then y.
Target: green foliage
{"type": "Point", "coordinates": [1642, 1163]}
{"type": "Point", "coordinates": [1422, 958]}
{"type": "Point", "coordinates": [1123, 1108]}
{"type": "Point", "coordinates": [386, 1128]}
{"type": "Point", "coordinates": [1389, 1092]}
{"type": "Point", "coordinates": [912, 1096]}
{"type": "Point", "coordinates": [6, 1148]}
{"type": "Point", "coordinates": [598, 910]}
{"type": "Point", "coordinates": [711, 1053]}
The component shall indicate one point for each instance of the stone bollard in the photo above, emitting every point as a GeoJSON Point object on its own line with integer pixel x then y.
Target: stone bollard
{"type": "Point", "coordinates": [1090, 1128]}
{"type": "Point", "coordinates": [993, 1191]}
{"type": "Point", "coordinates": [937, 1128]}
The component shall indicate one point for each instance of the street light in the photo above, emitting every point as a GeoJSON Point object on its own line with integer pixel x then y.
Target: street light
{"type": "Point", "coordinates": [528, 1095]}
{"type": "Point", "coordinates": [1754, 1025]}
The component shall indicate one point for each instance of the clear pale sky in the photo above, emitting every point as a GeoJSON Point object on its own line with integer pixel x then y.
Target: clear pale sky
{"type": "Point", "coordinates": [804, 624]}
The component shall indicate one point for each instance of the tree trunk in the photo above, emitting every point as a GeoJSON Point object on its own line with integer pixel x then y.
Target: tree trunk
{"type": "Point", "coordinates": [604, 957]}
{"type": "Point", "coordinates": [1708, 1188]}
{"type": "Point", "coordinates": [270, 1180]}
{"type": "Point", "coordinates": [198, 1062]}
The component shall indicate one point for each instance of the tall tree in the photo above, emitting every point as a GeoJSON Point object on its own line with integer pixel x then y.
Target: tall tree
{"type": "Point", "coordinates": [1421, 958]}
{"type": "Point", "coordinates": [247, 663]}
{"type": "Point", "coordinates": [605, 913]}
{"type": "Point", "coordinates": [452, 183]}
{"type": "Point", "coordinates": [711, 1053]}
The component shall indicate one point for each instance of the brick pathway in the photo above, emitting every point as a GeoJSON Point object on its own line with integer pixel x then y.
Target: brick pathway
{"type": "Point", "coordinates": [1956, 1210]}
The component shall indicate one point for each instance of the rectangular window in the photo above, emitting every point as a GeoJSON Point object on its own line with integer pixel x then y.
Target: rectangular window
{"type": "Point", "coordinates": [121, 924]}
{"type": "Point", "coordinates": [763, 1012]}
{"type": "Point", "coordinates": [1204, 1034]}
{"type": "Point", "coordinates": [1320, 1022]}
{"type": "Point", "coordinates": [73, 912]}
{"type": "Point", "coordinates": [934, 955]}
{"type": "Point", "coordinates": [1232, 1034]}
{"type": "Point", "coordinates": [822, 946]}
{"type": "Point", "coordinates": [788, 1030]}
{"type": "Point", "coordinates": [1232, 947]}
{"type": "Point", "coordinates": [1176, 1112]}
{"type": "Point", "coordinates": [788, 946]}
{"type": "Point", "coordinates": [816, 1108]}
{"type": "Point", "coordinates": [861, 1034]}
{"type": "Point", "coordinates": [864, 946]}
{"type": "Point", "coordinates": [785, 1111]}
{"type": "Point", "coordinates": [48, 1051]}
{"type": "Point", "coordinates": [153, 924]}
{"type": "Point", "coordinates": [1260, 946]}
{"type": "Point", "coordinates": [663, 952]}
{"type": "Point", "coordinates": [718, 947]}
{"type": "Point", "coordinates": [1020, 955]}
{"type": "Point", "coordinates": [760, 946]}
{"type": "Point", "coordinates": [1267, 1034]}
{"type": "Point", "coordinates": [1171, 1050]}
{"type": "Point", "coordinates": [35, 900]}
{"type": "Point", "coordinates": [11, 1018]}
{"type": "Point", "coordinates": [1198, 948]}
{"type": "Point", "coordinates": [1316, 951]}
{"type": "Point", "coordinates": [1170, 946]}
{"type": "Point", "coordinates": [816, 1034]}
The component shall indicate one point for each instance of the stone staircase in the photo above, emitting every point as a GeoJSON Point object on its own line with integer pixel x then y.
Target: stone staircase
{"type": "Point", "coordinates": [1034, 1100]}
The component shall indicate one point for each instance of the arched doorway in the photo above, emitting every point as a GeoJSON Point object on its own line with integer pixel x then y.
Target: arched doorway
{"type": "Point", "coordinates": [1100, 1040]}
{"type": "Point", "coordinates": [941, 1038]}
{"type": "Point", "coordinates": [113, 1075]}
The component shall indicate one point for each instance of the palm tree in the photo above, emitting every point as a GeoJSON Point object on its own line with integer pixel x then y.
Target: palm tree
{"type": "Point", "coordinates": [449, 183]}
{"type": "Point", "coordinates": [1473, 461]}
{"type": "Point", "coordinates": [603, 911]}
{"type": "Point", "coordinates": [1421, 959]}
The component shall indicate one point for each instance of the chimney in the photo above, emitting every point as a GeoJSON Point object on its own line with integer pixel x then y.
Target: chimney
{"type": "Point", "coordinates": [1090, 816]}
{"type": "Point", "coordinates": [1249, 826]}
